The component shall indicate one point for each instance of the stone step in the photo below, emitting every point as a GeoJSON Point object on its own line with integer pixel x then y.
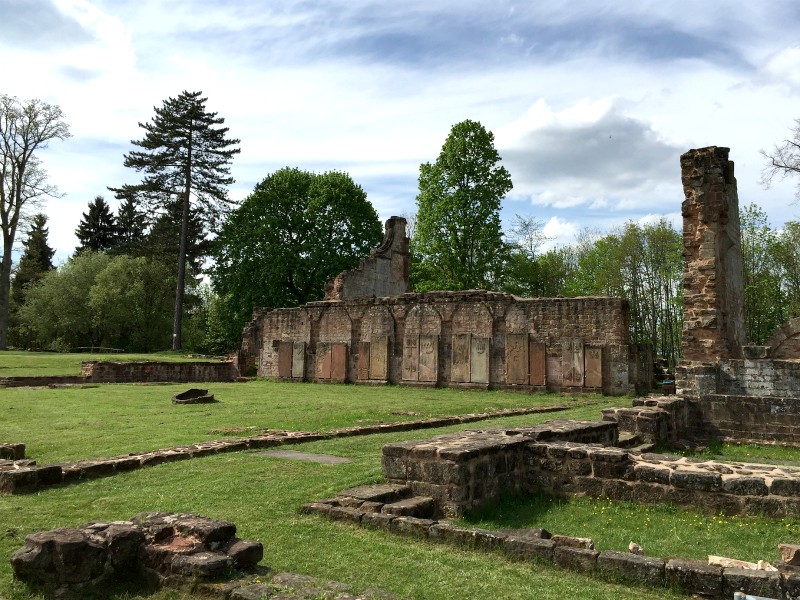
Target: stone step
{"type": "Point", "coordinates": [628, 439]}
{"type": "Point", "coordinates": [646, 447]}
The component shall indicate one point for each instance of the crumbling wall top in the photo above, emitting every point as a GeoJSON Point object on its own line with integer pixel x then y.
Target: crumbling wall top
{"type": "Point", "coordinates": [383, 273]}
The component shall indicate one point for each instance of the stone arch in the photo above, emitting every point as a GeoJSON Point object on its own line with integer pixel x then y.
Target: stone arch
{"type": "Point", "coordinates": [423, 326]}
{"type": "Point", "coordinates": [785, 342]}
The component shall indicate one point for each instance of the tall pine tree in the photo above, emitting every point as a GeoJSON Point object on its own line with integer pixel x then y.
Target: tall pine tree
{"type": "Point", "coordinates": [36, 260]}
{"type": "Point", "coordinates": [97, 229]}
{"type": "Point", "coordinates": [132, 225]}
{"type": "Point", "coordinates": [184, 155]}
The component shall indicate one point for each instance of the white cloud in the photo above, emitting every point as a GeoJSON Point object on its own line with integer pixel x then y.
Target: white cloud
{"type": "Point", "coordinates": [559, 233]}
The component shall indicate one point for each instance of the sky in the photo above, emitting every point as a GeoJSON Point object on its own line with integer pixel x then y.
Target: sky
{"type": "Point", "coordinates": [591, 102]}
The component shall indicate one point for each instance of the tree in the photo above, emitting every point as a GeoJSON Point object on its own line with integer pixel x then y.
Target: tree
{"type": "Point", "coordinates": [295, 232]}
{"type": "Point", "coordinates": [25, 128]}
{"type": "Point", "coordinates": [57, 314]}
{"type": "Point", "coordinates": [97, 229]}
{"type": "Point", "coordinates": [784, 158]}
{"type": "Point", "coordinates": [184, 154]}
{"type": "Point", "coordinates": [36, 260]}
{"type": "Point", "coordinates": [131, 226]}
{"type": "Point", "coordinates": [764, 308]}
{"type": "Point", "coordinates": [458, 237]}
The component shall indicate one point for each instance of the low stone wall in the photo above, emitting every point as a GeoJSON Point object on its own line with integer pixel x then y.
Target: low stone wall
{"type": "Point", "coordinates": [656, 418]}
{"type": "Point", "coordinates": [754, 419]}
{"type": "Point", "coordinates": [394, 509]}
{"type": "Point", "coordinates": [714, 486]}
{"type": "Point", "coordinates": [155, 371]}
{"type": "Point", "coordinates": [744, 400]}
{"type": "Point", "coordinates": [465, 470]}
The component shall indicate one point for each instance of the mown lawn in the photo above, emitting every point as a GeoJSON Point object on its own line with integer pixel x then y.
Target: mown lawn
{"type": "Point", "coordinates": [18, 363]}
{"type": "Point", "coordinates": [262, 495]}
{"type": "Point", "coordinates": [71, 423]}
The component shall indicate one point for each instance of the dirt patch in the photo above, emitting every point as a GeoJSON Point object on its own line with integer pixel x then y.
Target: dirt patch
{"type": "Point", "coordinates": [322, 459]}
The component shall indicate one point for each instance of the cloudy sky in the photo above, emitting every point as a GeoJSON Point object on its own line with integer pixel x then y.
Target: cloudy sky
{"type": "Point", "coordinates": [591, 102]}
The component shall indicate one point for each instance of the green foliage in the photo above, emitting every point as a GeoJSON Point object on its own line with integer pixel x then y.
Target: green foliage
{"type": "Point", "coordinates": [458, 242]}
{"type": "Point", "coordinates": [764, 308]}
{"type": "Point", "coordinates": [97, 229]}
{"type": "Point", "coordinates": [36, 261]}
{"type": "Point", "coordinates": [57, 314]}
{"type": "Point", "coordinates": [96, 300]}
{"type": "Point", "coordinates": [25, 128]}
{"type": "Point", "coordinates": [294, 233]}
{"type": "Point", "coordinates": [184, 154]}
{"type": "Point", "coordinates": [130, 304]}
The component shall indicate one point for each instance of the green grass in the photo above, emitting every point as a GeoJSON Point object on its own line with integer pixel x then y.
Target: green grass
{"type": "Point", "coordinates": [262, 496]}
{"type": "Point", "coordinates": [718, 450]}
{"type": "Point", "coordinates": [71, 423]}
{"type": "Point", "coordinates": [17, 363]}
{"type": "Point", "coordinates": [661, 530]}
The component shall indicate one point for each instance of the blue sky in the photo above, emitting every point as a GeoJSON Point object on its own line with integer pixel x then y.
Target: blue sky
{"type": "Point", "coordinates": [591, 102]}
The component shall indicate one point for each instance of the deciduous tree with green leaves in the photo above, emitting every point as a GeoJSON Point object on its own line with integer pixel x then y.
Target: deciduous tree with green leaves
{"type": "Point", "coordinates": [184, 154]}
{"type": "Point", "coordinates": [294, 233]}
{"type": "Point", "coordinates": [25, 128]}
{"type": "Point", "coordinates": [458, 240]}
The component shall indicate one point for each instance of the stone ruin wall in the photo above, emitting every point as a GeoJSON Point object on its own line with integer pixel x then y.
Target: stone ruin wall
{"type": "Point", "coordinates": [384, 273]}
{"type": "Point", "coordinates": [713, 288]}
{"type": "Point", "coordinates": [462, 339]}
{"type": "Point", "coordinates": [735, 391]}
{"type": "Point", "coordinates": [370, 330]}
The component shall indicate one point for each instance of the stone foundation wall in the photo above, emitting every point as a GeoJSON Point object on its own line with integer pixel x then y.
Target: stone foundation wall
{"type": "Point", "coordinates": [145, 372]}
{"type": "Point", "coordinates": [467, 470]}
{"type": "Point", "coordinates": [473, 339]}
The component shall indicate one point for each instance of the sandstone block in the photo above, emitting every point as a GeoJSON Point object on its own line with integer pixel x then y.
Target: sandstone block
{"type": "Point", "coordinates": [527, 548]}
{"type": "Point", "coordinates": [632, 567]}
{"type": "Point", "coordinates": [411, 526]}
{"type": "Point", "coordinates": [575, 559]}
{"type": "Point", "coordinates": [694, 576]}
{"type": "Point", "coordinates": [245, 554]}
{"type": "Point", "coordinates": [416, 506]}
{"type": "Point", "coordinates": [790, 554]}
{"type": "Point", "coordinates": [752, 582]}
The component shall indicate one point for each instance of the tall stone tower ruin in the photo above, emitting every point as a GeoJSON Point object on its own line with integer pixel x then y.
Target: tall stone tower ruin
{"type": "Point", "coordinates": [713, 317]}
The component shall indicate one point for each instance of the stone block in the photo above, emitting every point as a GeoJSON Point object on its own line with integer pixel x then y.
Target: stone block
{"type": "Point", "coordinates": [245, 554]}
{"type": "Point", "coordinates": [527, 548]}
{"type": "Point", "coordinates": [573, 542]}
{"type": "Point", "coordinates": [517, 358]}
{"type": "Point", "coordinates": [411, 526]}
{"type": "Point", "coordinates": [382, 492]}
{"type": "Point", "coordinates": [745, 486]}
{"type": "Point", "coordinates": [372, 520]}
{"type": "Point", "coordinates": [416, 506]}
{"type": "Point", "coordinates": [202, 565]}
{"type": "Point", "coordinates": [581, 560]}
{"type": "Point", "coordinates": [20, 480]}
{"type": "Point", "coordinates": [346, 513]}
{"type": "Point", "coordinates": [631, 567]}
{"type": "Point", "coordinates": [694, 577]}
{"type": "Point", "coordinates": [651, 474]}
{"type": "Point", "coordinates": [697, 480]}
{"type": "Point", "coordinates": [790, 582]}
{"type": "Point", "coordinates": [785, 487]}
{"type": "Point", "coordinates": [790, 553]}
{"type": "Point", "coordinates": [765, 584]}
{"type": "Point", "coordinates": [316, 507]}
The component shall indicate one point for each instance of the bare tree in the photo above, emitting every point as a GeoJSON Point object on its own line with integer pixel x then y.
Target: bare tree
{"type": "Point", "coordinates": [784, 158]}
{"type": "Point", "coordinates": [25, 127]}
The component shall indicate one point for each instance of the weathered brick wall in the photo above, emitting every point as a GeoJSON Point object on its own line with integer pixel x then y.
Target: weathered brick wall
{"type": "Point", "coordinates": [470, 339]}
{"type": "Point", "coordinates": [713, 322]}
{"type": "Point", "coordinates": [383, 273]}
{"type": "Point", "coordinates": [137, 372]}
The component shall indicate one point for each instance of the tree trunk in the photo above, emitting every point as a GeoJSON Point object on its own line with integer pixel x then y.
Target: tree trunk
{"type": "Point", "coordinates": [5, 290]}
{"type": "Point", "coordinates": [177, 342]}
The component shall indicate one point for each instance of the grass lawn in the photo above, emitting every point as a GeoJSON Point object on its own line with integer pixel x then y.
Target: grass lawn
{"type": "Point", "coordinates": [262, 495]}
{"type": "Point", "coordinates": [71, 423]}
{"type": "Point", "coordinates": [717, 450]}
{"type": "Point", "coordinates": [18, 363]}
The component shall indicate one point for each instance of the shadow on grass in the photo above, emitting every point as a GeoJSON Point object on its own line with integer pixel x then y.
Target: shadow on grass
{"type": "Point", "coordinates": [516, 511]}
